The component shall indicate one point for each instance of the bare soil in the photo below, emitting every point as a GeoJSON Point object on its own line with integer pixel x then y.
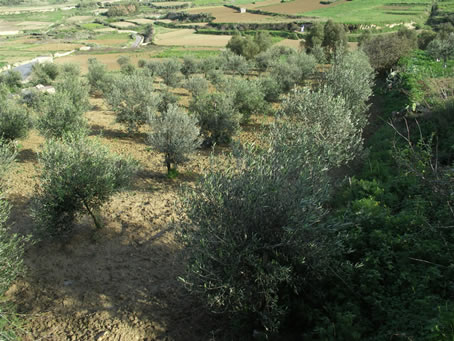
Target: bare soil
{"type": "Point", "coordinates": [188, 37]}
{"type": "Point", "coordinates": [117, 283]}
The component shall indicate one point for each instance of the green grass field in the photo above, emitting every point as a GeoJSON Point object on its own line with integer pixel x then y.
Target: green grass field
{"type": "Point", "coordinates": [222, 2]}
{"type": "Point", "coordinates": [377, 12]}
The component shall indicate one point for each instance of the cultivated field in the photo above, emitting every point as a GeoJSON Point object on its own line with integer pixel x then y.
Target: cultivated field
{"type": "Point", "coordinates": [292, 7]}
{"type": "Point", "coordinates": [230, 15]}
{"type": "Point", "coordinates": [188, 37]}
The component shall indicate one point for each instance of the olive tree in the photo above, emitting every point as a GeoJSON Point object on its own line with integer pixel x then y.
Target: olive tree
{"type": "Point", "coordinates": [352, 77]}
{"type": "Point", "coordinates": [78, 176]}
{"type": "Point", "coordinates": [174, 134]}
{"type": "Point", "coordinates": [170, 72]}
{"type": "Point", "coordinates": [248, 97]}
{"type": "Point", "coordinates": [218, 117]}
{"type": "Point", "coordinates": [97, 76]}
{"type": "Point", "coordinates": [196, 85]}
{"type": "Point", "coordinates": [442, 48]}
{"type": "Point", "coordinates": [60, 116]}
{"type": "Point", "coordinates": [131, 98]}
{"type": "Point", "coordinates": [253, 236]}
{"type": "Point", "coordinates": [15, 120]}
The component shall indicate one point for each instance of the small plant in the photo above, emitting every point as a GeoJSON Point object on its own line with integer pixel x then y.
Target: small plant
{"type": "Point", "coordinates": [196, 85]}
{"type": "Point", "coordinates": [78, 176]}
{"type": "Point", "coordinates": [175, 134]}
{"type": "Point", "coordinates": [170, 72]}
{"type": "Point", "coordinates": [44, 73]}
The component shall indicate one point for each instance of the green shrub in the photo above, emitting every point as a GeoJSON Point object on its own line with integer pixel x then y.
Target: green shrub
{"type": "Point", "coordinates": [254, 237]}
{"type": "Point", "coordinates": [97, 77]}
{"type": "Point", "coordinates": [15, 120]}
{"type": "Point", "coordinates": [218, 118]}
{"type": "Point", "coordinates": [60, 116]}
{"type": "Point", "coordinates": [44, 73]}
{"type": "Point", "coordinates": [271, 89]}
{"type": "Point", "coordinates": [196, 85]}
{"type": "Point", "coordinates": [12, 79]}
{"type": "Point", "coordinates": [170, 72]}
{"type": "Point", "coordinates": [131, 98]}
{"type": "Point", "coordinates": [78, 176]}
{"type": "Point", "coordinates": [248, 97]}
{"type": "Point", "coordinates": [77, 91]}
{"type": "Point", "coordinates": [236, 64]}
{"type": "Point", "coordinates": [352, 77]}
{"type": "Point", "coordinates": [175, 134]}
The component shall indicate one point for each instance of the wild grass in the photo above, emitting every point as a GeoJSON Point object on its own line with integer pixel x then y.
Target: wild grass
{"type": "Point", "coordinates": [376, 12]}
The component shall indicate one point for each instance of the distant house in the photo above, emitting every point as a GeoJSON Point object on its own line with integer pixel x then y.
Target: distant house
{"type": "Point", "coordinates": [242, 10]}
{"type": "Point", "coordinates": [302, 28]}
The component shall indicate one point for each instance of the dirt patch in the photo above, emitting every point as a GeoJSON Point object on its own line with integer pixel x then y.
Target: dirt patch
{"type": "Point", "coordinates": [289, 43]}
{"type": "Point", "coordinates": [188, 37]}
{"type": "Point", "coordinates": [109, 59]}
{"type": "Point", "coordinates": [107, 42]}
{"type": "Point", "coordinates": [296, 6]}
{"type": "Point", "coordinates": [55, 47]}
{"type": "Point", "coordinates": [142, 21]}
{"type": "Point", "coordinates": [123, 24]}
{"type": "Point", "coordinates": [79, 19]}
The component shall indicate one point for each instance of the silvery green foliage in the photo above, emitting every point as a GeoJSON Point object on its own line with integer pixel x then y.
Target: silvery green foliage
{"type": "Point", "coordinates": [170, 72]}
{"type": "Point", "coordinates": [131, 98]}
{"type": "Point", "coordinates": [295, 69]}
{"type": "Point", "coordinates": [196, 85]}
{"type": "Point", "coordinates": [78, 176]}
{"type": "Point", "coordinates": [218, 117]}
{"type": "Point", "coordinates": [60, 116]}
{"type": "Point", "coordinates": [234, 63]}
{"type": "Point", "coordinates": [175, 134]}
{"type": "Point", "coordinates": [247, 95]}
{"type": "Point", "coordinates": [442, 48]}
{"type": "Point", "coordinates": [320, 126]}
{"type": "Point", "coordinates": [97, 76]}
{"type": "Point", "coordinates": [249, 228]}
{"type": "Point", "coordinates": [15, 120]}
{"type": "Point", "coordinates": [352, 78]}
{"type": "Point", "coordinates": [77, 90]}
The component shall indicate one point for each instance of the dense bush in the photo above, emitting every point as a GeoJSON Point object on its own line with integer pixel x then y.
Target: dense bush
{"type": "Point", "coordinates": [442, 48]}
{"type": "Point", "coordinates": [170, 72]}
{"type": "Point", "coordinates": [12, 79]}
{"type": "Point", "coordinates": [44, 73]}
{"type": "Point", "coordinates": [77, 90]}
{"type": "Point", "coordinates": [175, 134]}
{"type": "Point", "coordinates": [351, 77]}
{"type": "Point", "coordinates": [196, 85]}
{"type": "Point", "coordinates": [131, 98]}
{"type": "Point", "coordinates": [78, 176]}
{"type": "Point", "coordinates": [293, 70]}
{"type": "Point", "coordinates": [236, 64]}
{"type": "Point", "coordinates": [384, 51]}
{"type": "Point", "coordinates": [248, 46]}
{"type": "Point", "coordinates": [60, 116]}
{"type": "Point", "coordinates": [15, 120]}
{"type": "Point", "coordinates": [254, 237]}
{"type": "Point", "coordinates": [190, 66]}
{"type": "Point", "coordinates": [218, 118]}
{"type": "Point", "coordinates": [248, 97]}
{"type": "Point", "coordinates": [97, 77]}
